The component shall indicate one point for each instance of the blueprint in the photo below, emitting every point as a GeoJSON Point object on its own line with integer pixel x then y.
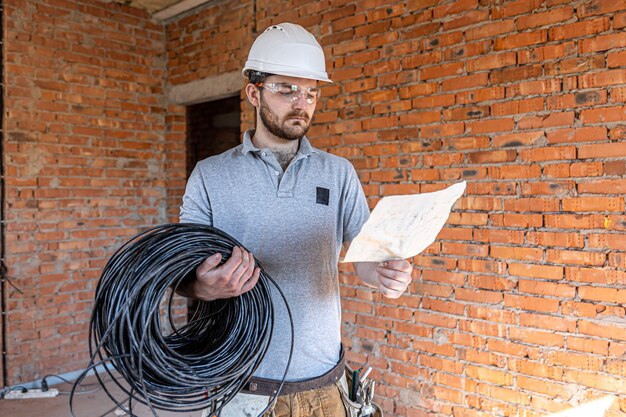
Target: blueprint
{"type": "Point", "coordinates": [402, 226]}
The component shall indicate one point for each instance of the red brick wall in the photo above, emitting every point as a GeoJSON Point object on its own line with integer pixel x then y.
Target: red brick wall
{"type": "Point", "coordinates": [84, 153]}
{"type": "Point", "coordinates": [517, 309]}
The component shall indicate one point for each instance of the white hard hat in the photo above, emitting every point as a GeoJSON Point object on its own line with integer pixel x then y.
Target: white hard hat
{"type": "Point", "coordinates": [287, 49]}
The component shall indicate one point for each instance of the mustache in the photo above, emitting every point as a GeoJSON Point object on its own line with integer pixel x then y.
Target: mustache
{"type": "Point", "coordinates": [300, 114]}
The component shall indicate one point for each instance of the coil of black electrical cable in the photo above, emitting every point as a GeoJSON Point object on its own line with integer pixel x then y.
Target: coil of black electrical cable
{"type": "Point", "coordinates": [200, 365]}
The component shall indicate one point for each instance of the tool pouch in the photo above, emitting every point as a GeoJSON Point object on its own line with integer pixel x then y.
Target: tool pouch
{"type": "Point", "coordinates": [366, 408]}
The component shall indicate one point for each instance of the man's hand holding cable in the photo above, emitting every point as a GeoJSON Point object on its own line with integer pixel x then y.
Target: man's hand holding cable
{"type": "Point", "coordinates": [391, 277]}
{"type": "Point", "coordinates": [214, 281]}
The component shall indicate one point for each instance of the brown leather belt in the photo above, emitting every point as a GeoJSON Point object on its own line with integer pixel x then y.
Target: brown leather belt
{"type": "Point", "coordinates": [262, 386]}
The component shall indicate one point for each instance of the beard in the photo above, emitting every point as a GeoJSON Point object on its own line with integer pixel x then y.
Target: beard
{"type": "Point", "coordinates": [279, 128]}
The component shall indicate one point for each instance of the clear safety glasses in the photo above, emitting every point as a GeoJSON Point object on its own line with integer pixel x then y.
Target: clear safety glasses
{"type": "Point", "coordinates": [290, 93]}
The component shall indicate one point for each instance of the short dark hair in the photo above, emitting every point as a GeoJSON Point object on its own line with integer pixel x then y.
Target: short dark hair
{"type": "Point", "coordinates": [255, 77]}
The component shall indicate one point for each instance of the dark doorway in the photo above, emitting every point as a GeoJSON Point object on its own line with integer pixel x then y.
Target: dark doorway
{"type": "Point", "coordinates": [212, 128]}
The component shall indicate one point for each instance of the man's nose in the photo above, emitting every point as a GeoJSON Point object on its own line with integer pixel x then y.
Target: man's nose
{"type": "Point", "coordinates": [300, 101]}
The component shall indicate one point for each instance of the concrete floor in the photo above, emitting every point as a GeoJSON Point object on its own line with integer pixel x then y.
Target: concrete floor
{"type": "Point", "coordinates": [88, 404]}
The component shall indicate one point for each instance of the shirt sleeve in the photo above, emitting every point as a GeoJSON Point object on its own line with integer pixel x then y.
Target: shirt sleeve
{"type": "Point", "coordinates": [355, 208]}
{"type": "Point", "coordinates": [196, 206]}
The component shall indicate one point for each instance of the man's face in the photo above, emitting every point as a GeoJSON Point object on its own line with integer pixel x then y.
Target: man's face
{"type": "Point", "coordinates": [285, 119]}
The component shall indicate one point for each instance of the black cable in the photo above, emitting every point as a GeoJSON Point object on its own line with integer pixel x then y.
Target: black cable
{"type": "Point", "coordinates": [202, 364]}
{"type": "Point", "coordinates": [45, 386]}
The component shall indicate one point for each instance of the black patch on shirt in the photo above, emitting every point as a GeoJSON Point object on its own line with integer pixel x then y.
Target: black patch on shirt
{"type": "Point", "coordinates": [323, 195]}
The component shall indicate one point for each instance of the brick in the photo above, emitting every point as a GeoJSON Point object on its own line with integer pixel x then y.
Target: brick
{"type": "Point", "coordinates": [599, 7]}
{"type": "Point", "coordinates": [537, 369]}
{"type": "Point", "coordinates": [482, 328]}
{"type": "Point", "coordinates": [489, 282]}
{"type": "Point", "coordinates": [498, 236]}
{"type": "Point", "coordinates": [490, 30]}
{"type": "Point", "coordinates": [602, 79]}
{"type": "Point", "coordinates": [493, 376]}
{"type": "Point", "coordinates": [359, 85]}
{"type": "Point", "coordinates": [611, 295]}
{"type": "Point", "coordinates": [424, 30]}
{"type": "Point", "coordinates": [466, 142]}
{"type": "Point", "coordinates": [518, 73]}
{"type": "Point", "coordinates": [384, 13]}
{"type": "Point", "coordinates": [412, 329]}
{"type": "Point", "coordinates": [467, 50]}
{"type": "Point", "coordinates": [349, 47]}
{"type": "Point", "coordinates": [537, 337]}
{"type": "Point", "coordinates": [420, 60]}
{"type": "Point", "coordinates": [595, 276]}
{"type": "Point", "coordinates": [617, 260]}
{"type": "Point", "coordinates": [543, 387]}
{"type": "Point", "coordinates": [619, 21]}
{"type": "Point", "coordinates": [480, 95]}
{"type": "Point", "coordinates": [434, 101]}
{"type": "Point", "coordinates": [456, 7]}
{"type": "Point", "coordinates": [581, 204]}
{"type": "Point", "coordinates": [606, 240]}
{"type": "Point", "coordinates": [550, 17]}
{"type": "Point", "coordinates": [517, 106]}
{"type": "Point", "coordinates": [575, 257]}
{"type": "Point", "coordinates": [492, 156]}
{"type": "Point", "coordinates": [618, 94]}
{"type": "Point", "coordinates": [569, 101]}
{"type": "Point", "coordinates": [614, 168]}
{"type": "Point", "coordinates": [515, 8]}
{"type": "Point", "coordinates": [551, 120]}
{"type": "Point", "coordinates": [617, 59]}
{"type": "Point", "coordinates": [536, 271]}
{"type": "Point", "coordinates": [521, 40]}
{"type": "Point", "coordinates": [448, 307]}
{"type": "Point", "coordinates": [492, 61]}
{"type": "Point", "coordinates": [548, 154]}
{"type": "Point", "coordinates": [478, 296]}
{"type": "Point", "coordinates": [584, 344]}
{"type": "Point", "coordinates": [574, 221]}
{"type": "Point", "coordinates": [534, 87]}
{"type": "Point", "coordinates": [609, 150]}
{"type": "Point", "coordinates": [617, 186]}
{"type": "Point", "coordinates": [518, 139]}
{"type": "Point", "coordinates": [543, 321]}
{"type": "Point", "coordinates": [518, 253]}
{"type": "Point", "coordinates": [464, 113]}
{"type": "Point", "coordinates": [565, 170]}
{"type": "Point", "coordinates": [487, 126]}
{"type": "Point", "coordinates": [461, 83]}
{"type": "Point", "coordinates": [579, 29]}
{"type": "Point", "coordinates": [551, 289]}
{"type": "Point", "coordinates": [429, 347]}
{"type": "Point", "coordinates": [583, 134]}
{"type": "Point", "coordinates": [617, 132]}
{"type": "Point", "coordinates": [422, 89]}
{"type": "Point", "coordinates": [532, 204]}
{"type": "Point", "coordinates": [514, 349]}
{"type": "Point", "coordinates": [595, 380]}
{"type": "Point", "coordinates": [602, 43]}
{"type": "Point", "coordinates": [465, 249]}
{"type": "Point", "coordinates": [577, 66]}
{"type": "Point", "coordinates": [440, 71]}
{"type": "Point", "coordinates": [547, 53]}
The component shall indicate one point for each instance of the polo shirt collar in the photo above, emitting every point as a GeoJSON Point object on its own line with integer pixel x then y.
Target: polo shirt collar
{"type": "Point", "coordinates": [305, 148]}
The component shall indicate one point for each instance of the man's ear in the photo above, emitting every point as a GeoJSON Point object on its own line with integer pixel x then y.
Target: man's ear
{"type": "Point", "coordinates": [253, 94]}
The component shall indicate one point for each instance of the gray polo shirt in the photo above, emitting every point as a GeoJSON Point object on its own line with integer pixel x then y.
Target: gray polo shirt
{"type": "Point", "coordinates": [294, 223]}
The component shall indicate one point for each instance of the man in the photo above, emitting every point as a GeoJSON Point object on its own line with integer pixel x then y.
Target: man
{"type": "Point", "coordinates": [293, 206]}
